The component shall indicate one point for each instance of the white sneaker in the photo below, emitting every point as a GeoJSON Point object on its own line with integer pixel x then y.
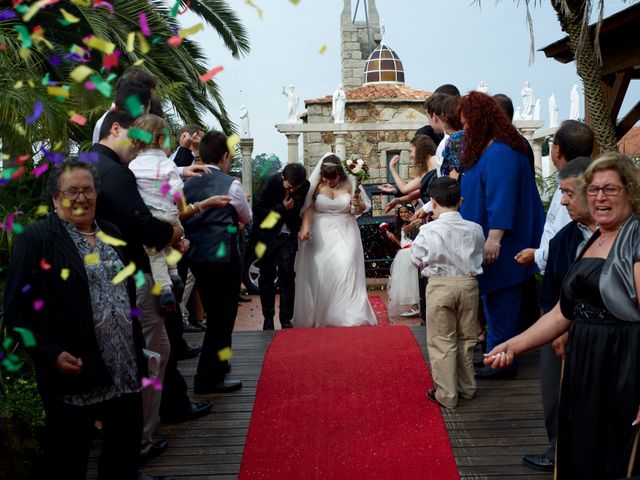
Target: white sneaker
{"type": "Point", "coordinates": [414, 312]}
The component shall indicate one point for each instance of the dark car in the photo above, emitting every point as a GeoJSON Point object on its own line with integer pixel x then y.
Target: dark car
{"type": "Point", "coordinates": [378, 250]}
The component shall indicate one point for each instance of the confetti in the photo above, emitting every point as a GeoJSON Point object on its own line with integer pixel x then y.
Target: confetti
{"type": "Point", "coordinates": [64, 274]}
{"type": "Point", "coordinates": [99, 44]}
{"type": "Point", "coordinates": [205, 77]}
{"type": "Point", "coordinates": [185, 32]}
{"type": "Point", "coordinates": [88, 157]}
{"type": "Point", "coordinates": [42, 210]}
{"type": "Point", "coordinates": [68, 18]}
{"type": "Point", "coordinates": [232, 229]}
{"type": "Point", "coordinates": [144, 26]}
{"type": "Point", "coordinates": [79, 119]}
{"type": "Point", "coordinates": [140, 280]}
{"type": "Point", "coordinates": [62, 92]}
{"type": "Point", "coordinates": [138, 134]}
{"type": "Point", "coordinates": [109, 240]}
{"type": "Point", "coordinates": [260, 249]}
{"type": "Point", "coordinates": [185, 9]}
{"type": "Point", "coordinates": [225, 354]}
{"type": "Point", "coordinates": [37, 111]}
{"type": "Point", "coordinates": [25, 38]}
{"type": "Point", "coordinates": [295, 2]}
{"type": "Point", "coordinates": [44, 264]}
{"type": "Point", "coordinates": [174, 9]}
{"type": "Point", "coordinates": [27, 336]}
{"type": "Point", "coordinates": [105, 5]}
{"type": "Point", "coordinates": [136, 312]}
{"type": "Point", "coordinates": [124, 273]}
{"type": "Point", "coordinates": [80, 73]}
{"type": "Point", "coordinates": [173, 258]}
{"type": "Point", "coordinates": [38, 304]}
{"type": "Point", "coordinates": [92, 259]}
{"type": "Point", "coordinates": [40, 169]}
{"type": "Point", "coordinates": [232, 143]}
{"type": "Point", "coordinates": [164, 188]}
{"type": "Point", "coordinates": [144, 45]}
{"type": "Point", "coordinates": [111, 61]}
{"type": "Point", "coordinates": [155, 383]}
{"type": "Point", "coordinates": [133, 105]}
{"type": "Point", "coordinates": [258, 9]}
{"type": "Point", "coordinates": [271, 220]}
{"type": "Point", "coordinates": [323, 49]}
{"type": "Point", "coordinates": [221, 252]}
{"type": "Point", "coordinates": [26, 288]}
{"type": "Point", "coordinates": [156, 289]}
{"type": "Point", "coordinates": [174, 41]}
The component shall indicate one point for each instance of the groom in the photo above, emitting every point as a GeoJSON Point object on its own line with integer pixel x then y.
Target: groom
{"type": "Point", "coordinates": [284, 194]}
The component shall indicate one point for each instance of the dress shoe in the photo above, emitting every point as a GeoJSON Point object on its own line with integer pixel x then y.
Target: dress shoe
{"type": "Point", "coordinates": [225, 386]}
{"type": "Point", "coordinates": [538, 462]}
{"type": "Point", "coordinates": [431, 395]}
{"type": "Point", "coordinates": [190, 351]}
{"type": "Point", "coordinates": [198, 409]}
{"type": "Point", "coordinates": [243, 299]}
{"type": "Point", "coordinates": [157, 448]}
{"type": "Point", "coordinates": [146, 476]}
{"type": "Point", "coordinates": [488, 373]}
{"type": "Point", "coordinates": [286, 324]}
{"type": "Point", "coordinates": [188, 328]}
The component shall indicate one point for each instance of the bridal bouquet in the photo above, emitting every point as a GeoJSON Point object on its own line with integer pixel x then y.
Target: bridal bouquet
{"type": "Point", "coordinates": [358, 171]}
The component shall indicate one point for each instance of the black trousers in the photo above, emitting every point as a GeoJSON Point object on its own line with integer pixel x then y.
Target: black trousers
{"type": "Point", "coordinates": [219, 286]}
{"type": "Point", "coordinates": [279, 259]}
{"type": "Point", "coordinates": [174, 401]}
{"type": "Point", "coordinates": [550, 370]}
{"type": "Point", "coordinates": [422, 287]}
{"type": "Point", "coordinates": [68, 431]}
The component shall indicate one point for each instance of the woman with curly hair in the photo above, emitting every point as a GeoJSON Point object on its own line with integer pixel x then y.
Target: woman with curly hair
{"type": "Point", "coordinates": [500, 194]}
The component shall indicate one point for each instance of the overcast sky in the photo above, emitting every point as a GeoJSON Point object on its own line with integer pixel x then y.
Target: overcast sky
{"type": "Point", "coordinates": [438, 42]}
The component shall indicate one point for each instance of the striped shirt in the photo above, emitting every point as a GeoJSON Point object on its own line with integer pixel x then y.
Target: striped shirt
{"type": "Point", "coordinates": [449, 247]}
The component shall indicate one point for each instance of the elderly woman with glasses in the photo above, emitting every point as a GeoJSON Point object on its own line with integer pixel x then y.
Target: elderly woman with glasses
{"type": "Point", "coordinates": [64, 286]}
{"type": "Point", "coordinates": [599, 305]}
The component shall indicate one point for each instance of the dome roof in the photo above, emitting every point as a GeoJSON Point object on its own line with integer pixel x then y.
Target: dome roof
{"type": "Point", "coordinates": [383, 66]}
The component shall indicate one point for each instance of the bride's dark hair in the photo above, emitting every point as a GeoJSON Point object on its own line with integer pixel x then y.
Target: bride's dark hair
{"type": "Point", "coordinates": [332, 168]}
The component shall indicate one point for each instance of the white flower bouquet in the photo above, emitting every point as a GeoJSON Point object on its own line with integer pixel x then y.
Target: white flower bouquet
{"type": "Point", "coordinates": [358, 172]}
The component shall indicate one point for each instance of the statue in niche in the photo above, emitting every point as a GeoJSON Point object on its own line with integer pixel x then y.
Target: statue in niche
{"type": "Point", "coordinates": [245, 130]}
{"type": "Point", "coordinates": [338, 104]}
{"type": "Point", "coordinates": [292, 103]}
{"type": "Point", "coordinates": [527, 102]}
{"type": "Point", "coordinates": [537, 110]}
{"type": "Point", "coordinates": [517, 115]}
{"type": "Point", "coordinates": [574, 109]}
{"type": "Point", "coordinates": [553, 111]}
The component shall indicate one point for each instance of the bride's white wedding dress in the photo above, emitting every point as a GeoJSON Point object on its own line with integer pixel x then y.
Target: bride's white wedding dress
{"type": "Point", "coordinates": [331, 288]}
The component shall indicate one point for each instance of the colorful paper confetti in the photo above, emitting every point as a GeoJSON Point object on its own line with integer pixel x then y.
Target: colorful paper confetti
{"type": "Point", "coordinates": [109, 240]}
{"type": "Point", "coordinates": [124, 273]}
{"type": "Point", "coordinates": [225, 354]}
{"type": "Point", "coordinates": [205, 77]}
{"type": "Point", "coordinates": [270, 220]}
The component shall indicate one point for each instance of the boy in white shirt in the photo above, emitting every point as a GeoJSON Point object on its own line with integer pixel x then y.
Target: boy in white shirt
{"type": "Point", "coordinates": [449, 251]}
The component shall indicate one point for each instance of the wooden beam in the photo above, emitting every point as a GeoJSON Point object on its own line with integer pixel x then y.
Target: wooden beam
{"type": "Point", "coordinates": [629, 120]}
{"type": "Point", "coordinates": [616, 93]}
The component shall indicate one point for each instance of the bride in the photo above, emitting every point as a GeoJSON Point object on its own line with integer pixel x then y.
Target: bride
{"type": "Point", "coordinates": [331, 289]}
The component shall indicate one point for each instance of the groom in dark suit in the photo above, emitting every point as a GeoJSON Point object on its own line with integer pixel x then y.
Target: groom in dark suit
{"type": "Point", "coordinates": [283, 194]}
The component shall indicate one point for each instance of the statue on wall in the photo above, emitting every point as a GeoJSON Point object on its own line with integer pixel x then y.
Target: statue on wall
{"type": "Point", "coordinates": [517, 115]}
{"type": "Point", "coordinates": [245, 130]}
{"type": "Point", "coordinates": [292, 103]}
{"type": "Point", "coordinates": [537, 110]}
{"type": "Point", "coordinates": [553, 111]}
{"type": "Point", "coordinates": [574, 109]}
{"type": "Point", "coordinates": [338, 104]}
{"type": "Point", "coordinates": [527, 101]}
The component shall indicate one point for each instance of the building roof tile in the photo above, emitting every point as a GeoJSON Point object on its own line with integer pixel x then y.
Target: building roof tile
{"type": "Point", "coordinates": [379, 91]}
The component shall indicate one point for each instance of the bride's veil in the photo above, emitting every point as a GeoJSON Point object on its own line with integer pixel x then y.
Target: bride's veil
{"type": "Point", "coordinates": [314, 180]}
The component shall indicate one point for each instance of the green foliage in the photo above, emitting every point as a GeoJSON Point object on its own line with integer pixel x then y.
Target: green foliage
{"type": "Point", "coordinates": [262, 166]}
{"type": "Point", "coordinates": [546, 187]}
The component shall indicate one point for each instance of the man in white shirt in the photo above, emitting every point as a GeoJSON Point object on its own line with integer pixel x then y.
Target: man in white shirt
{"type": "Point", "coordinates": [572, 139]}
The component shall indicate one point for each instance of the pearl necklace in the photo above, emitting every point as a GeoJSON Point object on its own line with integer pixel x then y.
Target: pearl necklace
{"type": "Point", "coordinates": [88, 234]}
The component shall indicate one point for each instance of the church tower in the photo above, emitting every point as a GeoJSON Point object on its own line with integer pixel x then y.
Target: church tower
{"type": "Point", "coordinates": [358, 39]}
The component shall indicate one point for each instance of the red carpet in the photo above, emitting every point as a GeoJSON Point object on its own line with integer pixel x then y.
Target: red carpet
{"type": "Point", "coordinates": [346, 403]}
{"type": "Point", "coordinates": [380, 310]}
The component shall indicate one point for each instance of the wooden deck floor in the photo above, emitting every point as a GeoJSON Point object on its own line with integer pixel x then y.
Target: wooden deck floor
{"type": "Point", "coordinates": [489, 434]}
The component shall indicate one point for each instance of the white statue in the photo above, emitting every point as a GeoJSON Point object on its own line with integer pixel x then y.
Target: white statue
{"type": "Point", "coordinates": [338, 104]}
{"type": "Point", "coordinates": [537, 110]}
{"type": "Point", "coordinates": [517, 116]}
{"type": "Point", "coordinates": [292, 104]}
{"type": "Point", "coordinates": [482, 87]}
{"type": "Point", "coordinates": [553, 111]}
{"type": "Point", "coordinates": [245, 130]}
{"type": "Point", "coordinates": [527, 101]}
{"type": "Point", "coordinates": [574, 109]}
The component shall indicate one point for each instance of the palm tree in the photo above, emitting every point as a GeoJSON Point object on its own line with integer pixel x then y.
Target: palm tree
{"type": "Point", "coordinates": [574, 16]}
{"type": "Point", "coordinates": [177, 68]}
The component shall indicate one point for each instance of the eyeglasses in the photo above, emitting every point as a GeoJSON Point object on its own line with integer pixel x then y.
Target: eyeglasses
{"type": "Point", "coordinates": [74, 193]}
{"type": "Point", "coordinates": [608, 190]}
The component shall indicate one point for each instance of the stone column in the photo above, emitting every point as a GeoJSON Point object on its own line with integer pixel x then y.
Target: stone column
{"type": "Point", "coordinates": [246, 148]}
{"type": "Point", "coordinates": [536, 146]}
{"type": "Point", "coordinates": [292, 144]}
{"type": "Point", "coordinates": [341, 144]}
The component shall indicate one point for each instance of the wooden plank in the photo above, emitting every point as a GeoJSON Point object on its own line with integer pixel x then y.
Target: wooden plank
{"type": "Point", "coordinates": [489, 434]}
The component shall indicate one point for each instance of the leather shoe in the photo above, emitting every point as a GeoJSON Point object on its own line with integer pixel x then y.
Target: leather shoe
{"type": "Point", "coordinates": [190, 351]}
{"type": "Point", "coordinates": [286, 324]}
{"type": "Point", "coordinates": [488, 373]}
{"type": "Point", "coordinates": [146, 476]}
{"type": "Point", "coordinates": [538, 462]}
{"type": "Point", "coordinates": [431, 395]}
{"type": "Point", "coordinates": [225, 386]}
{"type": "Point", "coordinates": [157, 448]}
{"type": "Point", "coordinates": [198, 409]}
{"type": "Point", "coordinates": [243, 299]}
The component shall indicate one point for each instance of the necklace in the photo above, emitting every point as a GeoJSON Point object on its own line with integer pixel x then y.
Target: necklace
{"type": "Point", "coordinates": [602, 240]}
{"type": "Point", "coordinates": [88, 234]}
